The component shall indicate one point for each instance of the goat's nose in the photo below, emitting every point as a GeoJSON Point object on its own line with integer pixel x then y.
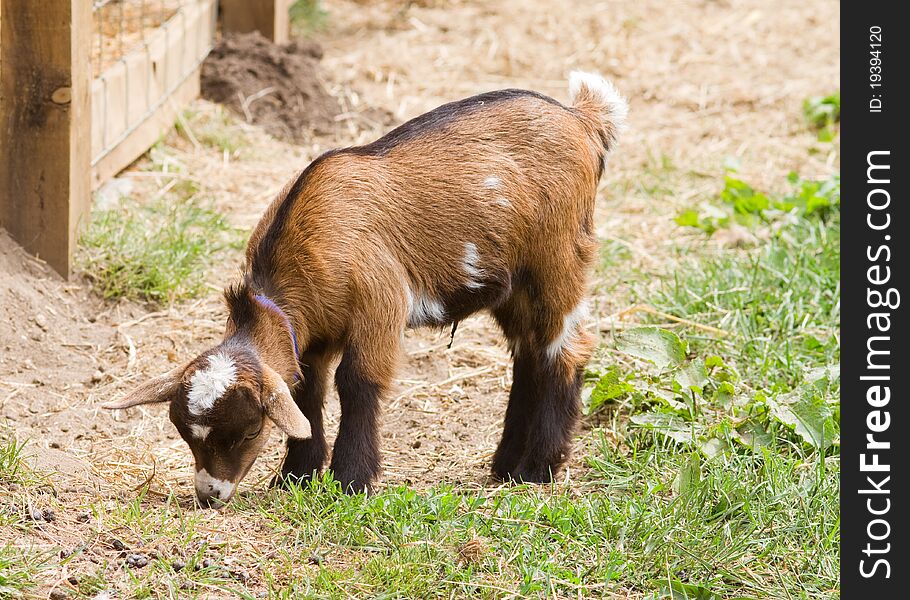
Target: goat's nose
{"type": "Point", "coordinates": [209, 499]}
{"type": "Point", "coordinates": [211, 491]}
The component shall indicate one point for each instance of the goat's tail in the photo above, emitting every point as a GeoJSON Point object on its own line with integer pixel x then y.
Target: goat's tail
{"type": "Point", "coordinates": [600, 100]}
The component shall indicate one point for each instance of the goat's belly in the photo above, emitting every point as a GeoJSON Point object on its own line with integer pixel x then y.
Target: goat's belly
{"type": "Point", "coordinates": [445, 308]}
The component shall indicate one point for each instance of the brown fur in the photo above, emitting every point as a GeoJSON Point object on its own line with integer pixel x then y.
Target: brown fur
{"type": "Point", "coordinates": [365, 236]}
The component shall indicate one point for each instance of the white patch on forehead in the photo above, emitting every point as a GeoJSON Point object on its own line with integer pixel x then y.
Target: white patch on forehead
{"type": "Point", "coordinates": [492, 182]}
{"type": "Point", "coordinates": [207, 385]}
{"type": "Point", "coordinates": [206, 485]}
{"type": "Point", "coordinates": [423, 310]}
{"type": "Point", "coordinates": [570, 324]}
{"type": "Point", "coordinates": [471, 266]}
{"type": "Point", "coordinates": [200, 432]}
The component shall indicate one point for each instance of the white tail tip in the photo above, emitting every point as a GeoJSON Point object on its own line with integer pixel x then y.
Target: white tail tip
{"type": "Point", "coordinates": [604, 91]}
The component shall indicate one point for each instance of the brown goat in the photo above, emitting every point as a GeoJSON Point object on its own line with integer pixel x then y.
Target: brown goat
{"type": "Point", "coordinates": [482, 204]}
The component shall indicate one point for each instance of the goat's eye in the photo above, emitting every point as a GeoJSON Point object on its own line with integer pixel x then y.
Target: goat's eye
{"type": "Point", "coordinates": [253, 435]}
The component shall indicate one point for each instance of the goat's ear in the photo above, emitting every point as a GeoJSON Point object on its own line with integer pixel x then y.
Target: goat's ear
{"type": "Point", "coordinates": [281, 408]}
{"type": "Point", "coordinates": [160, 389]}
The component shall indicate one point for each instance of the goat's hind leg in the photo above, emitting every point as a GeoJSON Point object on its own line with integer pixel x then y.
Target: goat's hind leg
{"type": "Point", "coordinates": [513, 318]}
{"type": "Point", "coordinates": [558, 372]}
{"type": "Point", "coordinates": [522, 401]}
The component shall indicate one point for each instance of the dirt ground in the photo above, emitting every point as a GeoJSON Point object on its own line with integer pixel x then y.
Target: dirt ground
{"type": "Point", "coordinates": [277, 87]}
{"type": "Point", "coordinates": [706, 80]}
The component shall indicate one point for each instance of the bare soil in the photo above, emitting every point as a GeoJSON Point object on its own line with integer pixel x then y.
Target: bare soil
{"type": "Point", "coordinates": [277, 87]}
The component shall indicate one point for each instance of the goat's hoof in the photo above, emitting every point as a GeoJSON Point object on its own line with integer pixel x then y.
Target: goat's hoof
{"type": "Point", "coordinates": [530, 474]}
{"type": "Point", "coordinates": [354, 485]}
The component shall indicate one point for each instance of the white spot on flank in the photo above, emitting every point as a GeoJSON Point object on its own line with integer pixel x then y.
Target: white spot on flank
{"type": "Point", "coordinates": [471, 266]}
{"type": "Point", "coordinates": [492, 182]}
{"type": "Point", "coordinates": [423, 310]}
{"type": "Point", "coordinates": [570, 324]}
{"type": "Point", "coordinates": [200, 432]}
{"type": "Point", "coordinates": [501, 201]}
{"type": "Point", "coordinates": [207, 385]}
{"type": "Point", "coordinates": [209, 486]}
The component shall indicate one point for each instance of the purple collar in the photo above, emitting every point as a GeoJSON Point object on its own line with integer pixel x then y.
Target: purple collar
{"type": "Point", "coordinates": [270, 304]}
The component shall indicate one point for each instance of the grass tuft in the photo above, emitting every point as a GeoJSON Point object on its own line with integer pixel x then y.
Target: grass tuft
{"type": "Point", "coordinates": [154, 251]}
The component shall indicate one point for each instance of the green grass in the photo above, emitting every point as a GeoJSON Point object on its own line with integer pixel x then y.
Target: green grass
{"type": "Point", "coordinates": [19, 566]}
{"type": "Point", "coordinates": [749, 525]}
{"type": "Point", "coordinates": [17, 572]}
{"type": "Point", "coordinates": [154, 251]}
{"type": "Point", "coordinates": [781, 301]}
{"type": "Point", "coordinates": [216, 128]}
{"type": "Point", "coordinates": [746, 524]}
{"type": "Point", "coordinates": [823, 114]}
{"type": "Point", "coordinates": [756, 410]}
{"type": "Point", "coordinates": [308, 15]}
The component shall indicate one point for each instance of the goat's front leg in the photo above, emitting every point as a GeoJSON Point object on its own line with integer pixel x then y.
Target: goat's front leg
{"type": "Point", "coordinates": [306, 457]}
{"type": "Point", "coordinates": [362, 378]}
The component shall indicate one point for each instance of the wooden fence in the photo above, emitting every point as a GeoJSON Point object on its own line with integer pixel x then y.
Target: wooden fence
{"type": "Point", "coordinates": [86, 88]}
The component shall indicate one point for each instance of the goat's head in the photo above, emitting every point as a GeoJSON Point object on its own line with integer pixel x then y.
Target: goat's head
{"type": "Point", "coordinates": [223, 403]}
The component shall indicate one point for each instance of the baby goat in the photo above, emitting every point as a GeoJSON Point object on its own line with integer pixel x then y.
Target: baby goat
{"type": "Point", "coordinates": [482, 204]}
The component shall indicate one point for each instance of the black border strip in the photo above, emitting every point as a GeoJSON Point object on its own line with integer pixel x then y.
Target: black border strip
{"type": "Point", "coordinates": [874, 534]}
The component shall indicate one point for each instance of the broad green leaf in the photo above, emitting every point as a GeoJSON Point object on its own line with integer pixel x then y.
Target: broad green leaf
{"type": "Point", "coordinates": [752, 435]}
{"type": "Point", "coordinates": [662, 347]}
{"type": "Point", "coordinates": [689, 475]}
{"type": "Point", "coordinates": [610, 386]}
{"type": "Point", "coordinates": [669, 425]}
{"type": "Point", "coordinates": [688, 218]}
{"type": "Point", "coordinates": [714, 361]}
{"type": "Point", "coordinates": [808, 413]}
{"type": "Point", "coordinates": [678, 590]}
{"type": "Point", "coordinates": [724, 393]}
{"type": "Point", "coordinates": [829, 373]}
{"type": "Point", "coordinates": [692, 375]}
{"type": "Point", "coordinates": [713, 447]}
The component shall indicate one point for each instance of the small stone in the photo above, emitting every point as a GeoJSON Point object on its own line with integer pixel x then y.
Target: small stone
{"type": "Point", "coordinates": [54, 445]}
{"type": "Point", "coordinates": [137, 561]}
{"type": "Point", "coordinates": [118, 545]}
{"type": "Point", "coordinates": [206, 563]}
{"type": "Point", "coordinates": [58, 594]}
{"type": "Point", "coordinates": [315, 559]}
{"type": "Point", "coordinates": [41, 321]}
{"type": "Point", "coordinates": [48, 515]}
{"type": "Point", "coordinates": [84, 518]}
{"type": "Point", "coordinates": [35, 515]}
{"type": "Point", "coordinates": [178, 565]}
{"type": "Point", "coordinates": [72, 581]}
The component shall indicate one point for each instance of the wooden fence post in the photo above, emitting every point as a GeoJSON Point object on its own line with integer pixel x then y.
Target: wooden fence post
{"type": "Point", "coordinates": [268, 17]}
{"type": "Point", "coordinates": [45, 124]}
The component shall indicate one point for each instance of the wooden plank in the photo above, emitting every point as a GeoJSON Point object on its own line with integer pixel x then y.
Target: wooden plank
{"type": "Point", "coordinates": [145, 135]}
{"type": "Point", "coordinates": [143, 93]}
{"type": "Point", "coordinates": [45, 127]}
{"type": "Point", "coordinates": [268, 17]}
